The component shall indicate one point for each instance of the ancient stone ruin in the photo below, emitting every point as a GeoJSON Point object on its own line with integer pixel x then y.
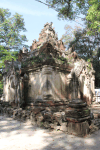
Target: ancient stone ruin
{"type": "Point", "coordinates": [49, 85]}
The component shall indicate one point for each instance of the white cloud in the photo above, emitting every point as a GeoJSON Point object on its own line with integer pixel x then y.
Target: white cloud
{"type": "Point", "coordinates": [24, 10]}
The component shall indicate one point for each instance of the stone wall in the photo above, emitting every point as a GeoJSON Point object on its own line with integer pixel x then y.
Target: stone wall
{"type": "Point", "coordinates": [52, 82]}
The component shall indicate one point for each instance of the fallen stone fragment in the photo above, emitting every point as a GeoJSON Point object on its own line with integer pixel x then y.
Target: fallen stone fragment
{"type": "Point", "coordinates": [64, 127]}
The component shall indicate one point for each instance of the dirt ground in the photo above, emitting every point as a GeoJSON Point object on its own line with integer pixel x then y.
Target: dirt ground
{"type": "Point", "coordinates": [15, 135]}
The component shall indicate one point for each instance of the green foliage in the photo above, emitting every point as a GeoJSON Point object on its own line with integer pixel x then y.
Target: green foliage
{"type": "Point", "coordinates": [11, 39]}
{"type": "Point", "coordinates": [62, 59]}
{"type": "Point", "coordinates": [87, 47]}
{"type": "Point", "coordinates": [41, 58]}
{"type": "Point", "coordinates": [6, 55]}
{"type": "Point", "coordinates": [10, 29]}
{"type": "Point", "coordinates": [33, 60]}
{"type": "Point", "coordinates": [1, 86]}
{"type": "Point", "coordinates": [24, 64]}
{"type": "Point", "coordinates": [69, 34]}
{"type": "Point", "coordinates": [37, 59]}
{"type": "Point", "coordinates": [17, 73]}
{"type": "Point", "coordinates": [88, 60]}
{"type": "Point", "coordinates": [10, 35]}
{"type": "Point", "coordinates": [38, 47]}
{"type": "Point", "coordinates": [70, 9]}
{"type": "Point", "coordinates": [93, 17]}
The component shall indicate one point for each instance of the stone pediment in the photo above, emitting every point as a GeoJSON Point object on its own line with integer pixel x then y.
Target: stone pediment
{"type": "Point", "coordinates": [48, 48]}
{"type": "Point", "coordinates": [48, 35]}
{"type": "Point", "coordinates": [47, 55]}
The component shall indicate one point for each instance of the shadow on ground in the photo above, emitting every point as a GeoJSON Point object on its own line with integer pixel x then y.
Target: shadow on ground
{"type": "Point", "coordinates": [16, 135]}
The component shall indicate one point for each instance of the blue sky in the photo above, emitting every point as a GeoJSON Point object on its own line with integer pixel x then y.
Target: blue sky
{"type": "Point", "coordinates": [35, 16]}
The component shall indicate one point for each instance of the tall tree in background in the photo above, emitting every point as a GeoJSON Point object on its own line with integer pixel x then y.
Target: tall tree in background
{"type": "Point", "coordinates": [86, 41]}
{"type": "Point", "coordinates": [11, 39]}
{"type": "Point", "coordinates": [87, 47]}
{"type": "Point", "coordinates": [69, 35]}
{"type": "Point", "coordinates": [71, 9]}
{"type": "Point", "coordinates": [93, 17]}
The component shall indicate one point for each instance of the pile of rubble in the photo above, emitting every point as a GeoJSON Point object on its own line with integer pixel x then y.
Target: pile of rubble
{"type": "Point", "coordinates": [50, 117]}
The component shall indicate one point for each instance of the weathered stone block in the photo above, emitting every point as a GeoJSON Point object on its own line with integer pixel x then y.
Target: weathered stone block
{"type": "Point", "coordinates": [99, 115]}
{"type": "Point", "coordinates": [23, 115]}
{"type": "Point", "coordinates": [57, 127]}
{"type": "Point", "coordinates": [46, 124]}
{"type": "Point", "coordinates": [77, 113]}
{"type": "Point", "coordinates": [15, 112]}
{"type": "Point", "coordinates": [64, 127]}
{"type": "Point", "coordinates": [32, 118]}
{"type": "Point", "coordinates": [58, 117]}
{"type": "Point", "coordinates": [36, 110]}
{"type": "Point", "coordinates": [93, 127]}
{"type": "Point", "coordinates": [48, 116]}
{"type": "Point", "coordinates": [79, 129]}
{"type": "Point", "coordinates": [96, 115]}
{"type": "Point", "coordinates": [39, 117]}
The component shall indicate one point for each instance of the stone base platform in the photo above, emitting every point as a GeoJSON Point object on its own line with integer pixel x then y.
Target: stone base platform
{"type": "Point", "coordinates": [50, 115]}
{"type": "Point", "coordinates": [78, 129]}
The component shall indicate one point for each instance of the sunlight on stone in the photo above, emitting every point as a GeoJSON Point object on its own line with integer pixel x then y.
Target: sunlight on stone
{"type": "Point", "coordinates": [90, 141]}
{"type": "Point", "coordinates": [50, 86]}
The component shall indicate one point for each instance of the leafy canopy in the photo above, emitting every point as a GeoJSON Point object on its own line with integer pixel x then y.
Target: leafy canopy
{"type": "Point", "coordinates": [10, 30]}
{"type": "Point", "coordinates": [93, 17]}
{"type": "Point", "coordinates": [87, 47]}
{"type": "Point", "coordinates": [70, 9]}
{"type": "Point", "coordinates": [11, 37]}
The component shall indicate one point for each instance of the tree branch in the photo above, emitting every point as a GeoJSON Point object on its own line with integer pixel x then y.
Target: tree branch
{"type": "Point", "coordinates": [57, 10]}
